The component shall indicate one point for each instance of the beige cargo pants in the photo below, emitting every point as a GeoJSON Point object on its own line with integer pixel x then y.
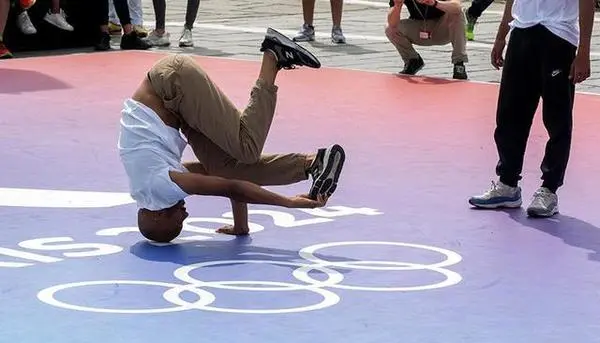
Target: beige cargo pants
{"type": "Point", "coordinates": [227, 142]}
{"type": "Point", "coordinates": [450, 28]}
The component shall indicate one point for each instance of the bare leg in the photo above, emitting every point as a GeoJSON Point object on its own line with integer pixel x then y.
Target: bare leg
{"type": "Point", "coordinates": [4, 8]}
{"type": "Point", "coordinates": [308, 11]}
{"type": "Point", "coordinates": [337, 6]}
{"type": "Point", "coordinates": [268, 69]}
{"type": "Point", "coordinates": [55, 6]}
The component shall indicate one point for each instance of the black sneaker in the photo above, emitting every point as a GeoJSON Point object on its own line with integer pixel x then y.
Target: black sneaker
{"type": "Point", "coordinates": [413, 66]}
{"type": "Point", "coordinates": [460, 72]}
{"type": "Point", "coordinates": [103, 43]}
{"type": "Point", "coordinates": [288, 53]}
{"type": "Point", "coordinates": [132, 41]}
{"type": "Point", "coordinates": [325, 170]}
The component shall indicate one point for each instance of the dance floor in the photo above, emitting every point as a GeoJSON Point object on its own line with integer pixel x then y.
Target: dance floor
{"type": "Point", "coordinates": [397, 255]}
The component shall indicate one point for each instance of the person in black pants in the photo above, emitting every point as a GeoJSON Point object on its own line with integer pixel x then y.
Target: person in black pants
{"type": "Point", "coordinates": [160, 37]}
{"type": "Point", "coordinates": [130, 39]}
{"type": "Point", "coordinates": [542, 61]}
{"type": "Point", "coordinates": [473, 13]}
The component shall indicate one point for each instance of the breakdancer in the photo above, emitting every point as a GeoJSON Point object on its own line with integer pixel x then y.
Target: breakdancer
{"type": "Point", "coordinates": [178, 97]}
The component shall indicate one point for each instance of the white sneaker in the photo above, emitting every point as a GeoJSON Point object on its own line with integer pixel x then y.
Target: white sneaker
{"type": "Point", "coordinates": [59, 20]}
{"type": "Point", "coordinates": [25, 25]}
{"type": "Point", "coordinates": [154, 39]}
{"type": "Point", "coordinates": [186, 39]}
{"type": "Point", "coordinates": [543, 204]}
{"type": "Point", "coordinates": [500, 195]}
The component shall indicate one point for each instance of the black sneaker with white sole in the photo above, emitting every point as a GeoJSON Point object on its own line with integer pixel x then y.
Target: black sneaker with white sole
{"type": "Point", "coordinates": [288, 53]}
{"type": "Point", "coordinates": [325, 170]}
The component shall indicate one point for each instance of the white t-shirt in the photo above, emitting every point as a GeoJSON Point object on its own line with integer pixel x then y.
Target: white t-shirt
{"type": "Point", "coordinates": [560, 17]}
{"type": "Point", "coordinates": [149, 149]}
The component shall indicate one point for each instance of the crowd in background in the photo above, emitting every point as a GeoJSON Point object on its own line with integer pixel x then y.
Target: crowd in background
{"type": "Point", "coordinates": [54, 16]}
{"type": "Point", "coordinates": [125, 18]}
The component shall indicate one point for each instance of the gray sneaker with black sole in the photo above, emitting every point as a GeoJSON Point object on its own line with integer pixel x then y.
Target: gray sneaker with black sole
{"type": "Point", "coordinates": [326, 170]}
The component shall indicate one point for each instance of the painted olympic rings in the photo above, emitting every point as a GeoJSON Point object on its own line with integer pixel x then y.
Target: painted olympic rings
{"type": "Point", "coordinates": [205, 299]}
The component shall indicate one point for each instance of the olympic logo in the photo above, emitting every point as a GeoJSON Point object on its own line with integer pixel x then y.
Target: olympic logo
{"type": "Point", "coordinates": [334, 279]}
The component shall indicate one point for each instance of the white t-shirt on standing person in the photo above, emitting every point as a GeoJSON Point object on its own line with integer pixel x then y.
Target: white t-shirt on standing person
{"type": "Point", "coordinates": [560, 17]}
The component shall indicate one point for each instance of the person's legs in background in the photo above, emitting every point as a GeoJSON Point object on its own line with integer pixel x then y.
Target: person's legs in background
{"type": "Point", "coordinates": [137, 17]}
{"type": "Point", "coordinates": [114, 26]}
{"type": "Point", "coordinates": [159, 36]}
{"type": "Point", "coordinates": [558, 94]}
{"type": "Point", "coordinates": [307, 32]}
{"type": "Point", "coordinates": [100, 12]}
{"type": "Point", "coordinates": [129, 40]}
{"type": "Point", "coordinates": [135, 12]}
{"type": "Point", "coordinates": [447, 29]}
{"type": "Point", "coordinates": [454, 23]}
{"type": "Point", "coordinates": [23, 21]}
{"type": "Point", "coordinates": [186, 39]}
{"type": "Point", "coordinates": [56, 17]}
{"type": "Point", "coordinates": [403, 37]}
{"type": "Point", "coordinates": [518, 99]}
{"type": "Point", "coordinates": [473, 13]}
{"type": "Point", "coordinates": [4, 8]}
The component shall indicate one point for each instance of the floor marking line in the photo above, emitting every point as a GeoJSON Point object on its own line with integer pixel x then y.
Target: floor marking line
{"type": "Point", "coordinates": [50, 198]}
{"type": "Point", "coordinates": [322, 35]}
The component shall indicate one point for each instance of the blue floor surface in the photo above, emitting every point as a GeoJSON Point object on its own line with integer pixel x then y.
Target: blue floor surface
{"type": "Point", "coordinates": [396, 256]}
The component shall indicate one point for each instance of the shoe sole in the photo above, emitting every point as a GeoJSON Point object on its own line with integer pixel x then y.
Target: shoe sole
{"type": "Point", "coordinates": [307, 39]}
{"type": "Point", "coordinates": [506, 204]}
{"type": "Point", "coordinates": [413, 74]}
{"type": "Point", "coordinates": [534, 214]}
{"type": "Point", "coordinates": [160, 45]}
{"type": "Point", "coordinates": [327, 181]}
{"type": "Point", "coordinates": [306, 57]}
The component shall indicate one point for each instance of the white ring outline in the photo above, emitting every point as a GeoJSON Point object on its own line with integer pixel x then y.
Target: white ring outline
{"type": "Point", "coordinates": [452, 278]}
{"type": "Point", "coordinates": [334, 277]}
{"type": "Point", "coordinates": [47, 296]}
{"type": "Point", "coordinates": [301, 273]}
{"type": "Point", "coordinates": [307, 253]}
{"type": "Point", "coordinates": [329, 299]}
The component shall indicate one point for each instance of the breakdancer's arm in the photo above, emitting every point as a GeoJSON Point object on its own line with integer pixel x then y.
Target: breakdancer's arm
{"type": "Point", "coordinates": [240, 225]}
{"type": "Point", "coordinates": [240, 191]}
